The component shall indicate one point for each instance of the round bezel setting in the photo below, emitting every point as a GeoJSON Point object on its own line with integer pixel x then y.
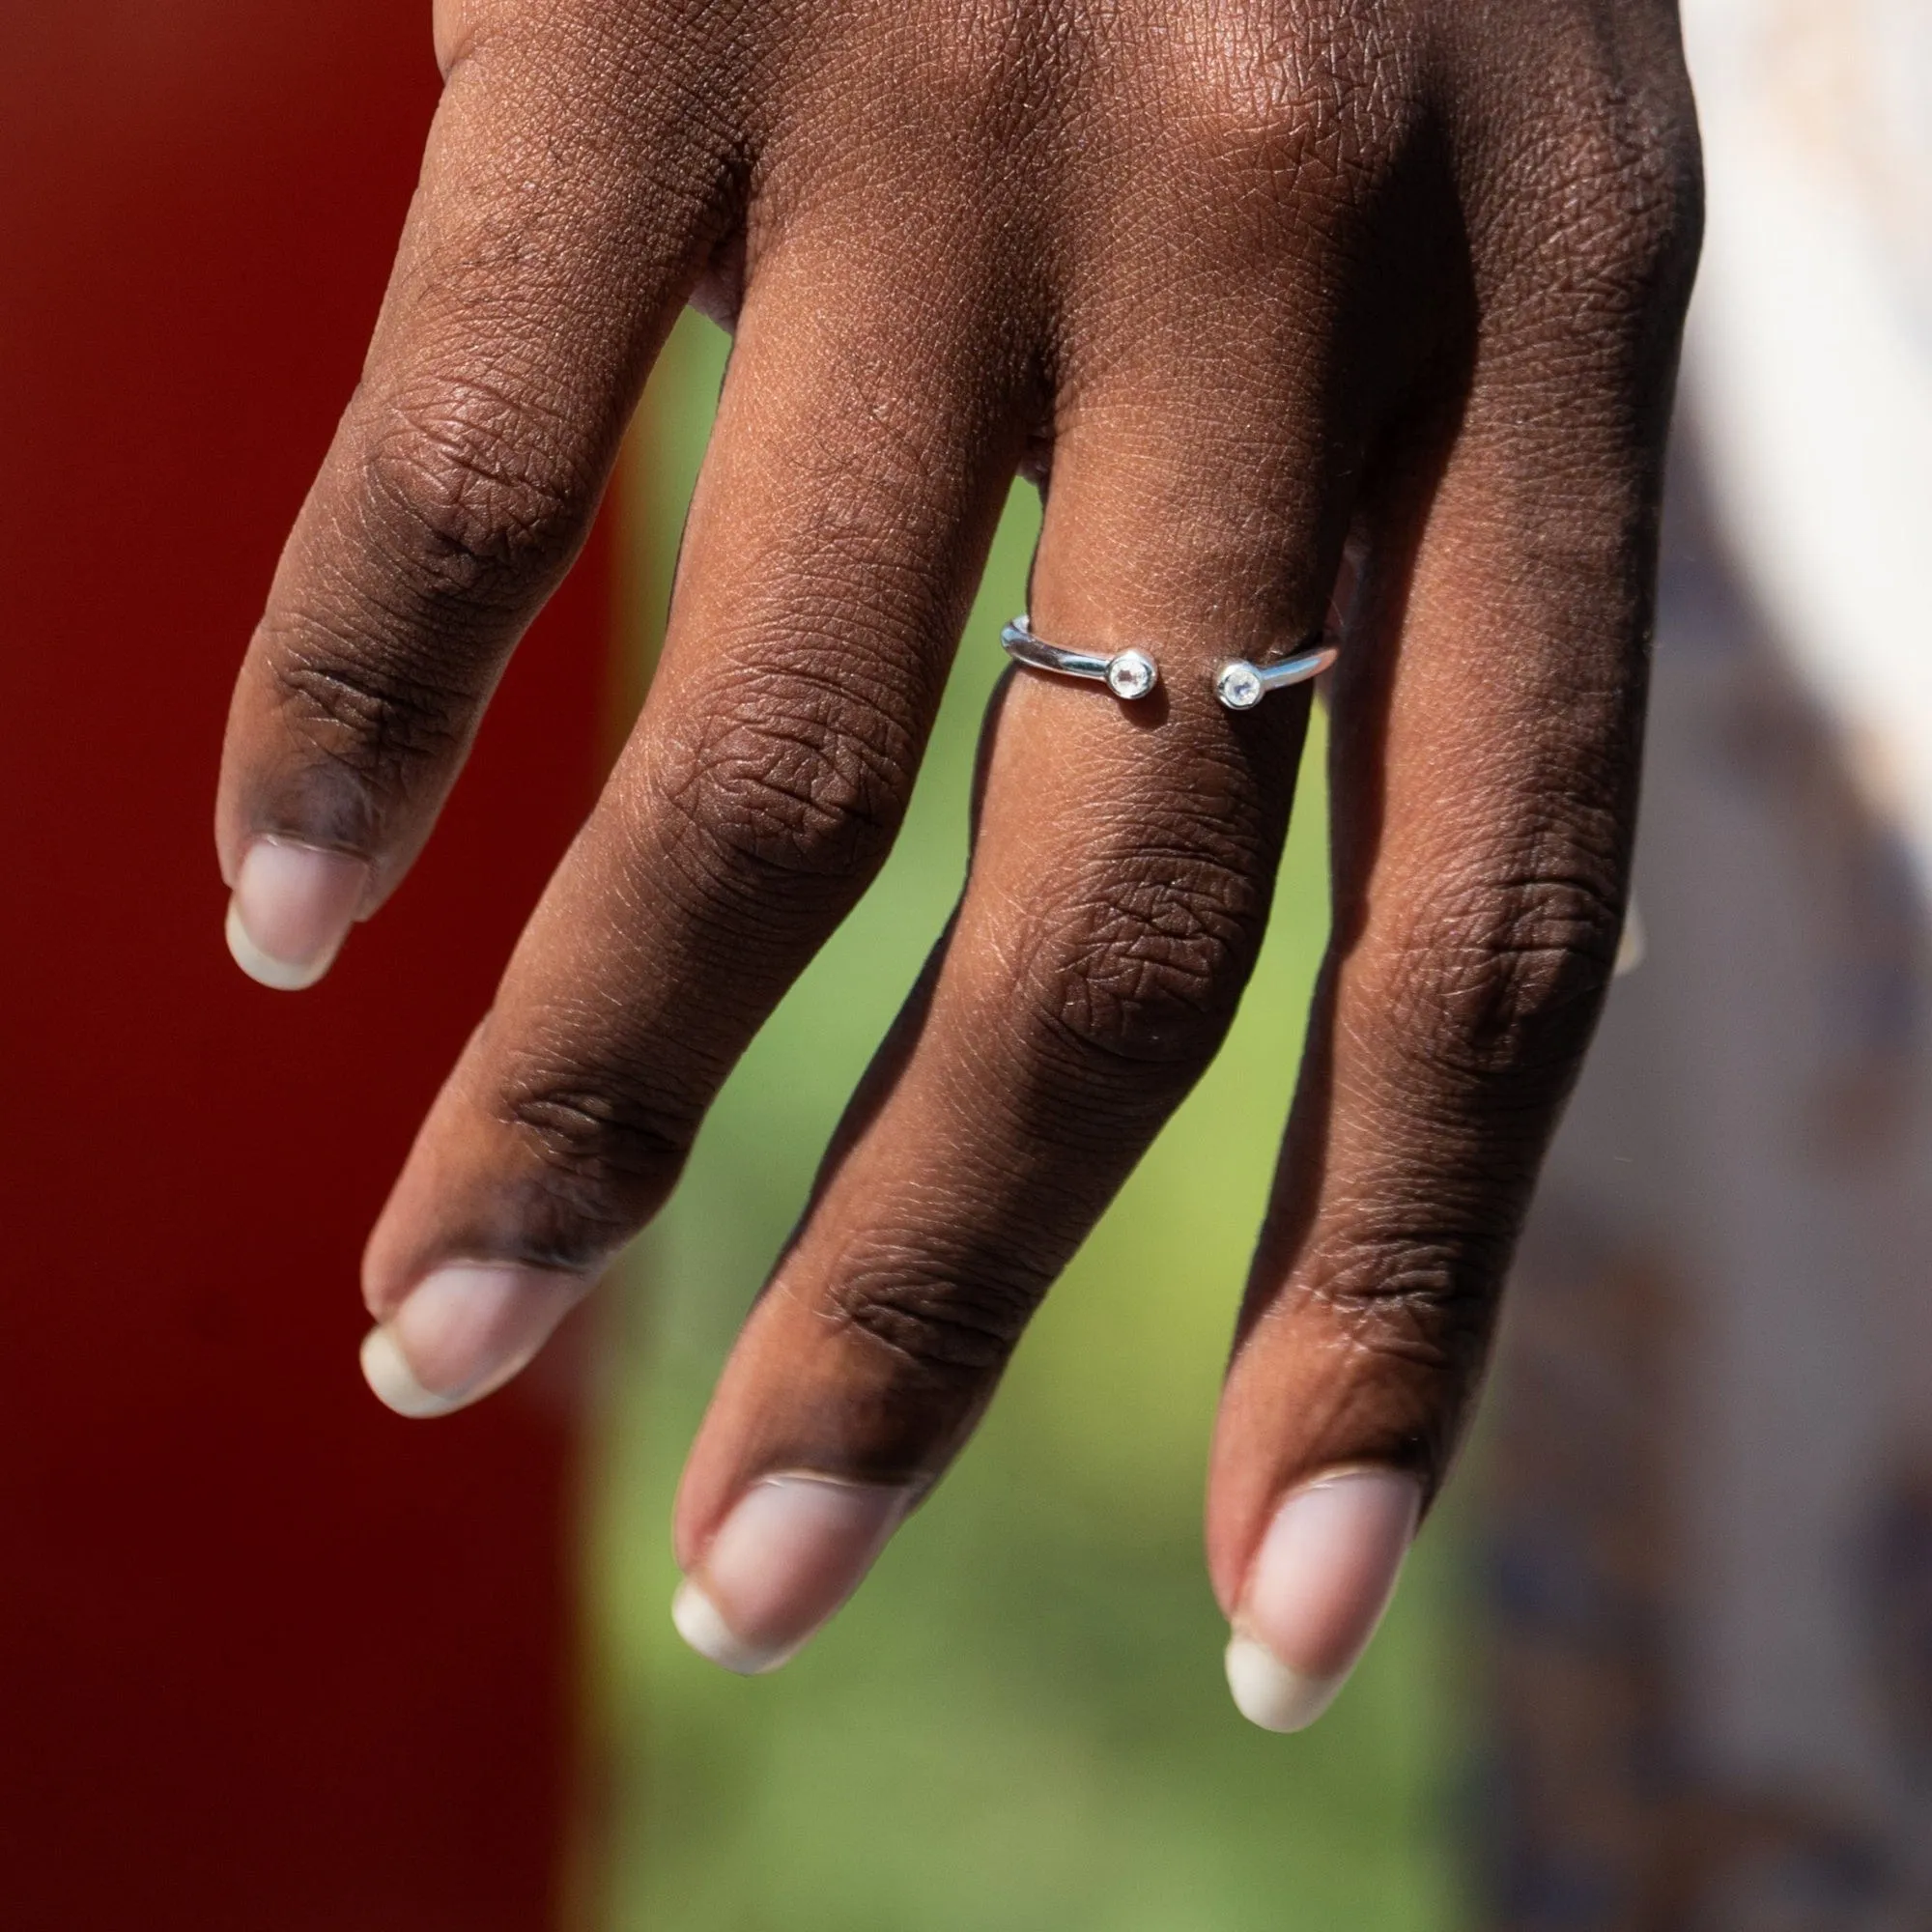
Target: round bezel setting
{"type": "Point", "coordinates": [1131, 674]}
{"type": "Point", "coordinates": [1239, 685]}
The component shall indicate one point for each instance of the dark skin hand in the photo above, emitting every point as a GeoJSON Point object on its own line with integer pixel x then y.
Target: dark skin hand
{"type": "Point", "coordinates": [1253, 286]}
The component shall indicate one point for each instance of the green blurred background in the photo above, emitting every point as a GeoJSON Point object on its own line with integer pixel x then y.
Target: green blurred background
{"type": "Point", "coordinates": [1020, 1722]}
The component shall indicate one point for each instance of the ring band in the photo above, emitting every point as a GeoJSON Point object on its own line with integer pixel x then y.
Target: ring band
{"type": "Point", "coordinates": [1132, 674]}
{"type": "Point", "coordinates": [1241, 686]}
{"type": "Point", "coordinates": [1129, 675]}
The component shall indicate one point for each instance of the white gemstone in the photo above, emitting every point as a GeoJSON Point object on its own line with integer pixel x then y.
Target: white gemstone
{"type": "Point", "coordinates": [1238, 686]}
{"type": "Point", "coordinates": [1131, 674]}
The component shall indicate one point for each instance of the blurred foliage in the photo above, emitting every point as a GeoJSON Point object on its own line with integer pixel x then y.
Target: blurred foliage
{"type": "Point", "coordinates": [1020, 1722]}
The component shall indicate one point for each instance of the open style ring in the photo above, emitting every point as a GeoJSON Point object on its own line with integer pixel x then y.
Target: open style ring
{"type": "Point", "coordinates": [1128, 673]}
{"type": "Point", "coordinates": [1241, 686]}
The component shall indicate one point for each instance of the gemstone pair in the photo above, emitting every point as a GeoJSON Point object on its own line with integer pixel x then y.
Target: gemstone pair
{"type": "Point", "coordinates": [1132, 674]}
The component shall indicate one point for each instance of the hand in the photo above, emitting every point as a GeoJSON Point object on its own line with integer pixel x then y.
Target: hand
{"type": "Point", "coordinates": [1247, 283]}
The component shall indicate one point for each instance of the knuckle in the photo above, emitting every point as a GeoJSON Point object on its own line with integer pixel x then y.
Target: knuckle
{"type": "Point", "coordinates": [1511, 973]}
{"type": "Point", "coordinates": [477, 499]}
{"type": "Point", "coordinates": [373, 715]}
{"type": "Point", "coordinates": [1642, 233]}
{"type": "Point", "coordinates": [1314, 102]}
{"type": "Point", "coordinates": [1148, 966]}
{"type": "Point", "coordinates": [1628, 225]}
{"type": "Point", "coordinates": [606, 1148]}
{"type": "Point", "coordinates": [792, 784]}
{"type": "Point", "coordinates": [1413, 1301]}
{"type": "Point", "coordinates": [1421, 1284]}
{"type": "Point", "coordinates": [942, 1326]}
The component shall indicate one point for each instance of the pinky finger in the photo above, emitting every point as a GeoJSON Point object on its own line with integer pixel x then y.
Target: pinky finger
{"type": "Point", "coordinates": [1485, 780]}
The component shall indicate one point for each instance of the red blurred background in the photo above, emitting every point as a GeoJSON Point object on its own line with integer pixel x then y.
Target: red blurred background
{"type": "Point", "coordinates": [269, 1656]}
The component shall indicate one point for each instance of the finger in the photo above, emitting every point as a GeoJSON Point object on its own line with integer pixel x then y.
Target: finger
{"type": "Point", "coordinates": [855, 476]}
{"type": "Point", "coordinates": [540, 267]}
{"type": "Point", "coordinates": [1122, 866]}
{"type": "Point", "coordinates": [1483, 777]}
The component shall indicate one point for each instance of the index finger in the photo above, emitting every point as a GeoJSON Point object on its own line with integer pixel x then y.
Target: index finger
{"type": "Point", "coordinates": [541, 267]}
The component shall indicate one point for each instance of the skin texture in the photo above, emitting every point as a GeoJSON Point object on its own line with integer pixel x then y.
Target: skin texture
{"type": "Point", "coordinates": [1248, 284]}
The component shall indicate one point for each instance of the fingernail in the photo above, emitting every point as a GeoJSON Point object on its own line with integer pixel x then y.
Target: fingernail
{"type": "Point", "coordinates": [791, 1551]}
{"type": "Point", "coordinates": [463, 1331]}
{"type": "Point", "coordinates": [1319, 1584]}
{"type": "Point", "coordinates": [290, 910]}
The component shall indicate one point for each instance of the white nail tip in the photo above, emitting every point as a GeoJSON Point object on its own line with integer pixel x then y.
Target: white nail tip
{"type": "Point", "coordinates": [703, 1628]}
{"type": "Point", "coordinates": [285, 976]}
{"type": "Point", "coordinates": [1268, 1693]}
{"type": "Point", "coordinates": [388, 1374]}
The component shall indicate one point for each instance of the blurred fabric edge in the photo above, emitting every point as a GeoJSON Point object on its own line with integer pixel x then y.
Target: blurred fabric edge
{"type": "Point", "coordinates": [268, 1654]}
{"type": "Point", "coordinates": [1708, 1526]}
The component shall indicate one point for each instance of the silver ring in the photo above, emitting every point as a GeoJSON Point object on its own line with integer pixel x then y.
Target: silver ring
{"type": "Point", "coordinates": [1241, 686]}
{"type": "Point", "coordinates": [1127, 674]}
